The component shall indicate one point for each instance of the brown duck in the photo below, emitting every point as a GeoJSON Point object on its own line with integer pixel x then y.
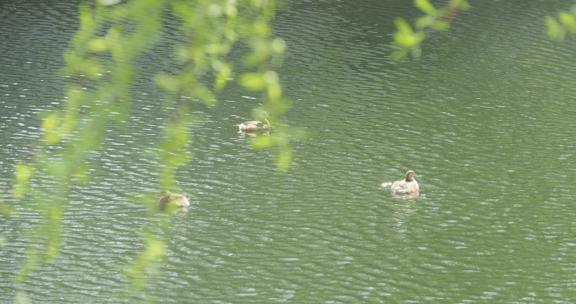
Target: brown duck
{"type": "Point", "coordinates": [404, 187]}
{"type": "Point", "coordinates": [173, 200]}
{"type": "Point", "coordinates": [254, 126]}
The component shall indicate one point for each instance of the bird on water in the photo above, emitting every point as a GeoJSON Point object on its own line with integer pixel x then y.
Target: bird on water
{"type": "Point", "coordinates": [404, 187]}
{"type": "Point", "coordinates": [173, 201]}
{"type": "Point", "coordinates": [254, 126]}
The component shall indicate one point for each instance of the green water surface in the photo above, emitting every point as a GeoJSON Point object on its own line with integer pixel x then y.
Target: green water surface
{"type": "Point", "coordinates": [486, 118]}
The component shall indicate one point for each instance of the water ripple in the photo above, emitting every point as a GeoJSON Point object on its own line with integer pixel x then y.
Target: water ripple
{"type": "Point", "coordinates": [484, 118]}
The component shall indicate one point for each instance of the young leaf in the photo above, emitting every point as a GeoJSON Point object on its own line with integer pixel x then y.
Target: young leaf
{"type": "Point", "coordinates": [425, 6]}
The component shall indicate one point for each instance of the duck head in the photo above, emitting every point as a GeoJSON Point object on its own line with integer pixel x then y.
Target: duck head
{"type": "Point", "coordinates": [410, 174]}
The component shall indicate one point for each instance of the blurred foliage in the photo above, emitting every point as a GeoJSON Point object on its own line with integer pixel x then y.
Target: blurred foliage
{"type": "Point", "coordinates": [147, 261]}
{"type": "Point", "coordinates": [100, 66]}
{"type": "Point", "coordinates": [6, 209]}
{"type": "Point", "coordinates": [564, 23]}
{"type": "Point", "coordinates": [408, 38]}
{"type": "Point", "coordinates": [22, 298]}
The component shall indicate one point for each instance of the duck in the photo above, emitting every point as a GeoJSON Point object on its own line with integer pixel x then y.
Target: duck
{"type": "Point", "coordinates": [173, 201]}
{"type": "Point", "coordinates": [254, 126]}
{"type": "Point", "coordinates": [405, 187]}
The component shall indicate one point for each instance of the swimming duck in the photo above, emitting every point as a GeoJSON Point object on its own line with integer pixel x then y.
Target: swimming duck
{"type": "Point", "coordinates": [254, 126]}
{"type": "Point", "coordinates": [173, 200]}
{"type": "Point", "coordinates": [404, 187]}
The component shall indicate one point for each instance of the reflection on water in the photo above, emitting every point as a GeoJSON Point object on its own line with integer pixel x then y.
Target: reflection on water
{"type": "Point", "coordinates": [486, 118]}
{"type": "Point", "coordinates": [403, 211]}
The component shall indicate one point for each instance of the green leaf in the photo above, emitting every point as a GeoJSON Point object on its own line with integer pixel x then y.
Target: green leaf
{"type": "Point", "coordinates": [402, 26]}
{"type": "Point", "coordinates": [405, 37]}
{"type": "Point", "coordinates": [425, 6]}
{"type": "Point", "coordinates": [6, 210]}
{"type": "Point", "coordinates": [22, 298]}
{"type": "Point", "coordinates": [23, 175]}
{"type": "Point", "coordinates": [49, 127]}
{"type": "Point", "coordinates": [204, 95]}
{"type": "Point", "coordinates": [262, 142]}
{"type": "Point", "coordinates": [554, 29]}
{"type": "Point", "coordinates": [53, 225]}
{"type": "Point", "coordinates": [167, 82]}
{"type": "Point", "coordinates": [425, 21]}
{"type": "Point", "coordinates": [398, 55]}
{"type": "Point", "coordinates": [284, 159]}
{"type": "Point", "coordinates": [81, 174]}
{"type": "Point", "coordinates": [224, 72]}
{"type": "Point", "coordinates": [459, 4]}
{"type": "Point", "coordinates": [278, 46]}
{"type": "Point", "coordinates": [98, 45]}
{"type": "Point", "coordinates": [441, 25]}
{"type": "Point", "coordinates": [91, 68]}
{"type": "Point", "coordinates": [230, 9]}
{"type": "Point", "coordinates": [154, 252]}
{"type": "Point", "coordinates": [568, 20]}
{"type": "Point", "coordinates": [253, 81]}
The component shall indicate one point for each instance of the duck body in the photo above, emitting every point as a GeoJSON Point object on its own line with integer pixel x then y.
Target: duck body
{"type": "Point", "coordinates": [254, 126]}
{"type": "Point", "coordinates": [173, 200]}
{"type": "Point", "coordinates": [405, 187]}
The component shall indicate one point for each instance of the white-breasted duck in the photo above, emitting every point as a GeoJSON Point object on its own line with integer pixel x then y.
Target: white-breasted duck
{"type": "Point", "coordinates": [254, 126]}
{"type": "Point", "coordinates": [404, 187]}
{"type": "Point", "coordinates": [173, 200]}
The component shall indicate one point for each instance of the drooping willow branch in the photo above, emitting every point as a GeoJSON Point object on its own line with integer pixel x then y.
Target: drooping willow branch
{"type": "Point", "coordinates": [100, 69]}
{"type": "Point", "coordinates": [408, 38]}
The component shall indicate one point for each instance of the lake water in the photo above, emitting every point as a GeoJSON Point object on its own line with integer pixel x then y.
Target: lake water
{"type": "Point", "coordinates": [486, 118]}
